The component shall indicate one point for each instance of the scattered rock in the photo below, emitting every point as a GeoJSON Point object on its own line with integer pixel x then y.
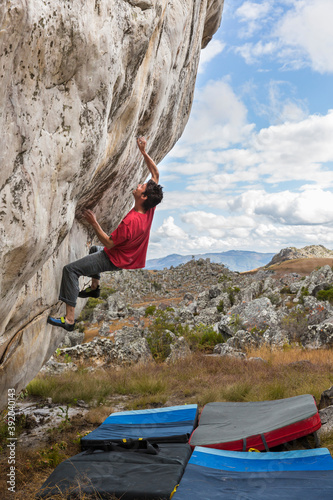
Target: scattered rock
{"type": "Point", "coordinates": [179, 350]}
{"type": "Point", "coordinates": [54, 367]}
{"type": "Point", "coordinates": [326, 417]}
{"type": "Point", "coordinates": [326, 398]}
{"type": "Point", "coordinates": [36, 421]}
{"type": "Point", "coordinates": [228, 350]}
{"type": "Point", "coordinates": [257, 359]}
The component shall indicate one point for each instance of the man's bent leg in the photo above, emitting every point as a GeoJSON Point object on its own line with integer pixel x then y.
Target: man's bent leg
{"type": "Point", "coordinates": [91, 265]}
{"type": "Point", "coordinates": [93, 290]}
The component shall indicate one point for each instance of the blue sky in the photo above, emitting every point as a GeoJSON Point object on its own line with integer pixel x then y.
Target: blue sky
{"type": "Point", "coordinates": [253, 169]}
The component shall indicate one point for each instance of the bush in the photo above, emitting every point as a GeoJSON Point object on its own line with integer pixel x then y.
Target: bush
{"type": "Point", "coordinates": [326, 295]}
{"type": "Point", "coordinates": [159, 344]}
{"type": "Point", "coordinates": [304, 293]}
{"type": "Point", "coordinates": [220, 307]}
{"type": "Point", "coordinates": [106, 291]}
{"type": "Point", "coordinates": [150, 310]}
{"type": "Point", "coordinates": [295, 324]}
{"type": "Point", "coordinates": [232, 291]}
{"type": "Point", "coordinates": [203, 338]}
{"type": "Point", "coordinates": [157, 286]}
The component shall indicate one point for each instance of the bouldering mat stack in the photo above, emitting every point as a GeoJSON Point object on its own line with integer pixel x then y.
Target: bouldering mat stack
{"type": "Point", "coordinates": [222, 475]}
{"type": "Point", "coordinates": [173, 424]}
{"type": "Point", "coordinates": [261, 425]}
{"type": "Point", "coordinates": [133, 455]}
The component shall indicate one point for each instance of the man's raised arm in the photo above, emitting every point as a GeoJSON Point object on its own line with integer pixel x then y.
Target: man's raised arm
{"type": "Point", "coordinates": [155, 175]}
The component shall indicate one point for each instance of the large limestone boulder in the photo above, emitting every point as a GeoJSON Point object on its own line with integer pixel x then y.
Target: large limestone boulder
{"type": "Point", "coordinates": [79, 81]}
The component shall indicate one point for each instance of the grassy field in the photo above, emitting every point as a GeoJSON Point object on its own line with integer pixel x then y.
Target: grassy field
{"type": "Point", "coordinates": [197, 379]}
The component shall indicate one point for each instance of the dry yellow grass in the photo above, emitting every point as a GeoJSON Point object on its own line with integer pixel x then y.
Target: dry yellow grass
{"type": "Point", "coordinates": [293, 354]}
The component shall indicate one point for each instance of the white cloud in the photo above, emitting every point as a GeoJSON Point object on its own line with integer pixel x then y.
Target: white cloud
{"type": "Point", "coordinates": [218, 119]}
{"type": "Point", "coordinates": [302, 36]}
{"type": "Point", "coordinates": [283, 105]}
{"type": "Point", "coordinates": [189, 168]}
{"type": "Point", "coordinates": [218, 226]}
{"type": "Point", "coordinates": [311, 207]}
{"type": "Point", "coordinates": [171, 230]}
{"type": "Point", "coordinates": [214, 48]}
{"type": "Point", "coordinates": [295, 151]}
{"type": "Point", "coordinates": [308, 28]}
{"type": "Point", "coordinates": [251, 52]}
{"type": "Point", "coordinates": [253, 14]}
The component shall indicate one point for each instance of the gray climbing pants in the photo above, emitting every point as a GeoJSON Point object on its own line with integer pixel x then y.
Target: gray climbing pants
{"type": "Point", "coordinates": [92, 265]}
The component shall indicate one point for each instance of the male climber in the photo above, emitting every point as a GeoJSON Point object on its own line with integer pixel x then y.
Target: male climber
{"type": "Point", "coordinates": [125, 248]}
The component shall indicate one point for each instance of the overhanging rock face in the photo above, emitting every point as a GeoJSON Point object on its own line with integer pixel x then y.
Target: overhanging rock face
{"type": "Point", "coordinates": [79, 81]}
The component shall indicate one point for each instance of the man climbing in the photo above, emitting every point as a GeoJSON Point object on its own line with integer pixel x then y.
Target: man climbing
{"type": "Point", "coordinates": [125, 248]}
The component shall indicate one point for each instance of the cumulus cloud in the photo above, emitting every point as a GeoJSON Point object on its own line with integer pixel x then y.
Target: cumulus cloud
{"type": "Point", "coordinates": [293, 151]}
{"type": "Point", "coordinates": [218, 119]}
{"type": "Point", "coordinates": [311, 207]}
{"type": "Point", "coordinates": [171, 230]}
{"type": "Point", "coordinates": [219, 226]}
{"type": "Point", "coordinates": [296, 150]}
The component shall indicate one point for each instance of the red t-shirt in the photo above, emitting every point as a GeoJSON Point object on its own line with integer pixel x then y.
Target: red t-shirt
{"type": "Point", "coordinates": [131, 240]}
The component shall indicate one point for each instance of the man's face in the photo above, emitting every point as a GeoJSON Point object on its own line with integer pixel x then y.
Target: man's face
{"type": "Point", "coordinates": [139, 190]}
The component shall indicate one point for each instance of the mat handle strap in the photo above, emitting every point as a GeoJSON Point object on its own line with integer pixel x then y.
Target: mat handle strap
{"type": "Point", "coordinates": [264, 441]}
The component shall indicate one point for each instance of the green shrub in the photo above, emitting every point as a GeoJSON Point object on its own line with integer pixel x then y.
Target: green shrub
{"type": "Point", "coordinates": [157, 286]}
{"type": "Point", "coordinates": [150, 310]}
{"type": "Point", "coordinates": [232, 291]}
{"type": "Point", "coordinates": [236, 323]}
{"type": "Point", "coordinates": [220, 307]}
{"type": "Point", "coordinates": [295, 324]}
{"type": "Point", "coordinates": [202, 338]}
{"type": "Point", "coordinates": [223, 278]}
{"type": "Point", "coordinates": [159, 344]}
{"type": "Point", "coordinates": [106, 291]}
{"type": "Point", "coordinates": [326, 295]}
{"type": "Point", "coordinates": [304, 293]}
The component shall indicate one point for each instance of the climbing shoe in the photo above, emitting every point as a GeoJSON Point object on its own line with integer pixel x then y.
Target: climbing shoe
{"type": "Point", "coordinates": [60, 322]}
{"type": "Point", "coordinates": [89, 292]}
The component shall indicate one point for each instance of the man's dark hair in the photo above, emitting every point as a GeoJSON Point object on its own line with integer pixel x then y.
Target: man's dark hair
{"type": "Point", "coordinates": [154, 193]}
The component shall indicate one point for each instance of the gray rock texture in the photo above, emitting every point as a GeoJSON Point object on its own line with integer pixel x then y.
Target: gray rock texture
{"type": "Point", "coordinates": [80, 80]}
{"type": "Point", "coordinates": [127, 346]}
{"type": "Point", "coordinates": [326, 398]}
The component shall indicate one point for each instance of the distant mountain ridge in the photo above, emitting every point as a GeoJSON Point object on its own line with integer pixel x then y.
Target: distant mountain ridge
{"type": "Point", "coordinates": [235, 260]}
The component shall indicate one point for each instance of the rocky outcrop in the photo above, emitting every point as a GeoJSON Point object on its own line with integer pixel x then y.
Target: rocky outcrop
{"type": "Point", "coordinates": [128, 346]}
{"type": "Point", "coordinates": [308, 252]}
{"type": "Point", "coordinates": [80, 80]}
